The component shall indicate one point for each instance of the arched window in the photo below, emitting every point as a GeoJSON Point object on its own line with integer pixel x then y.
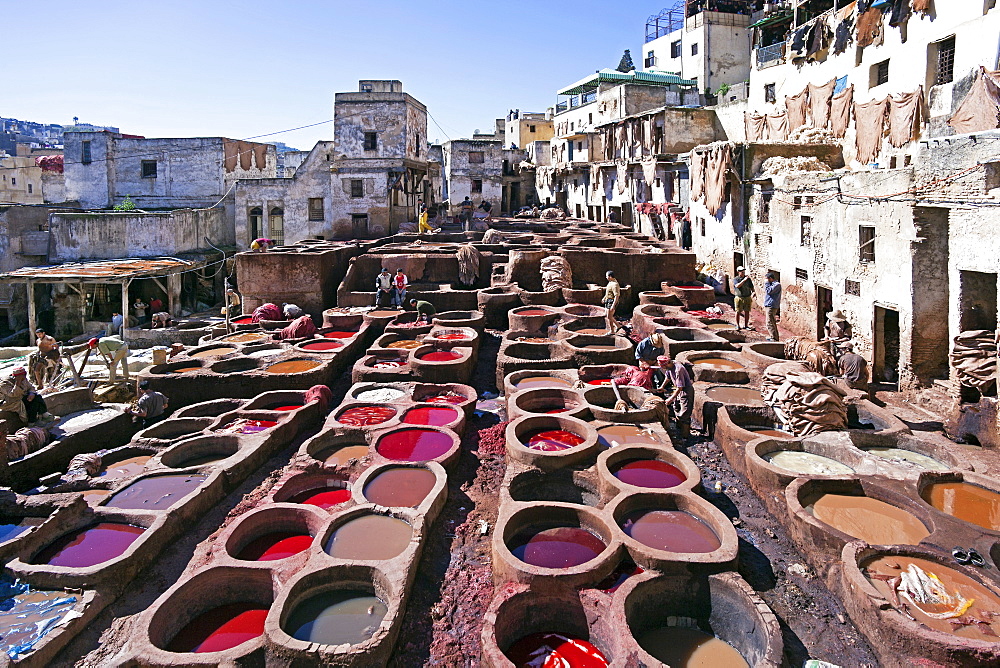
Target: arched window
{"type": "Point", "coordinates": [276, 226]}
{"type": "Point", "coordinates": [255, 221]}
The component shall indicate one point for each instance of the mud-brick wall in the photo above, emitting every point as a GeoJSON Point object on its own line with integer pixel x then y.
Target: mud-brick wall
{"type": "Point", "coordinates": [643, 271]}
{"type": "Point", "coordinates": [309, 279]}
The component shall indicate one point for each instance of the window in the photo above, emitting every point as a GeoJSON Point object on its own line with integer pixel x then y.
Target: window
{"type": "Point", "coordinates": [371, 141]}
{"type": "Point", "coordinates": [359, 224]}
{"type": "Point", "coordinates": [477, 186]}
{"type": "Point", "coordinates": [650, 60]}
{"type": "Point", "coordinates": [477, 157]}
{"type": "Point", "coordinates": [852, 288]}
{"type": "Point", "coordinates": [531, 128]}
{"type": "Point", "coordinates": [805, 230]}
{"type": "Point", "coordinates": [366, 88]}
{"type": "Point", "coordinates": [810, 200]}
{"type": "Point", "coordinates": [579, 146]}
{"type": "Point", "coordinates": [866, 243]}
{"type": "Point", "coordinates": [85, 153]}
{"type": "Point", "coordinates": [879, 74]}
{"type": "Point", "coordinates": [801, 274]}
{"type": "Point", "coordinates": [149, 169]}
{"type": "Point", "coordinates": [572, 127]}
{"type": "Point", "coordinates": [702, 227]}
{"type": "Point", "coordinates": [945, 62]}
{"type": "Point", "coordinates": [694, 49]}
{"type": "Point", "coordinates": [765, 207]}
{"type": "Point", "coordinates": [255, 220]}
{"type": "Point", "coordinates": [357, 188]}
{"type": "Point", "coordinates": [590, 119]}
{"type": "Point", "coordinates": [315, 208]}
{"type": "Point", "coordinates": [13, 180]}
{"type": "Point", "coordinates": [796, 202]}
{"type": "Point", "coordinates": [769, 93]}
{"type": "Point", "coordinates": [276, 226]}
{"type": "Point", "coordinates": [675, 49]}
{"type": "Point", "coordinates": [30, 188]}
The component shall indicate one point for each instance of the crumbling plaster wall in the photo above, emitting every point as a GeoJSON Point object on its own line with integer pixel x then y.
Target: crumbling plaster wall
{"type": "Point", "coordinates": [460, 172]}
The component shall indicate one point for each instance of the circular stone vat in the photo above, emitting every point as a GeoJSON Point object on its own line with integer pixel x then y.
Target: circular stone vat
{"type": "Point", "coordinates": [649, 473]}
{"type": "Point", "coordinates": [293, 366]}
{"type": "Point", "coordinates": [559, 486]}
{"type": "Point", "coordinates": [378, 393]}
{"type": "Point", "coordinates": [439, 415]}
{"type": "Point", "coordinates": [399, 486]}
{"type": "Point", "coordinates": [173, 368]}
{"type": "Point", "coordinates": [538, 380]}
{"type": "Point", "coordinates": [174, 428]}
{"type": "Point", "coordinates": [155, 492]}
{"type": "Point", "coordinates": [440, 356]}
{"type": "Point", "coordinates": [920, 460]}
{"type": "Point", "coordinates": [555, 537]}
{"type": "Point", "coordinates": [404, 344]}
{"type": "Point", "coordinates": [669, 530]}
{"type": "Point", "coordinates": [320, 346]}
{"type": "Point", "coordinates": [806, 463]}
{"type": "Point", "coordinates": [547, 400]}
{"type": "Point", "coordinates": [200, 451]}
{"type": "Point", "coordinates": [212, 351]}
{"type": "Point", "coordinates": [718, 364]}
{"type": "Point", "coordinates": [555, 649]}
{"type": "Point", "coordinates": [221, 628]}
{"type": "Point", "coordinates": [414, 444]}
{"type": "Point", "coordinates": [234, 365]}
{"type": "Point", "coordinates": [684, 646]}
{"type": "Point", "coordinates": [347, 616]}
{"type": "Point", "coordinates": [873, 521]}
{"type": "Point", "coordinates": [246, 337]}
{"type": "Point", "coordinates": [966, 501]}
{"type": "Point", "coordinates": [365, 416]}
{"type": "Point", "coordinates": [367, 536]}
{"type": "Point", "coordinates": [273, 533]}
{"type": "Point", "coordinates": [322, 491]}
{"type": "Point", "coordinates": [123, 468]}
{"type": "Point", "coordinates": [739, 396]}
{"type": "Point", "coordinates": [614, 435]}
{"type": "Point", "coordinates": [602, 402]}
{"type": "Point", "coordinates": [551, 440]}
{"type": "Point", "coordinates": [89, 546]}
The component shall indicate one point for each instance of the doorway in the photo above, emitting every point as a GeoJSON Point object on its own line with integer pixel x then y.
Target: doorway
{"type": "Point", "coordinates": [885, 363]}
{"type": "Point", "coordinates": [627, 218]}
{"type": "Point", "coordinates": [515, 197]}
{"type": "Point", "coordinates": [977, 301]}
{"type": "Point", "coordinates": [824, 306]}
{"type": "Point", "coordinates": [359, 226]}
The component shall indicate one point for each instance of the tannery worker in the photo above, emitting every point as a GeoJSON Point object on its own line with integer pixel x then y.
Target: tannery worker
{"type": "Point", "coordinates": [637, 376]}
{"type": "Point", "coordinates": [612, 294]}
{"type": "Point", "coordinates": [400, 282]}
{"type": "Point", "coordinates": [425, 310]}
{"type": "Point", "coordinates": [681, 400]}
{"type": "Point", "coordinates": [650, 347]}
{"type": "Point", "coordinates": [45, 362]}
{"type": "Point", "coordinates": [383, 288]}
{"type": "Point", "coordinates": [743, 297]}
{"type": "Point", "coordinates": [151, 406]}
{"type": "Point", "coordinates": [772, 305]}
{"type": "Point", "coordinates": [261, 245]}
{"type": "Point", "coordinates": [113, 350]}
{"type": "Point", "coordinates": [838, 330]}
{"type": "Point", "coordinates": [853, 368]}
{"type": "Point", "coordinates": [18, 395]}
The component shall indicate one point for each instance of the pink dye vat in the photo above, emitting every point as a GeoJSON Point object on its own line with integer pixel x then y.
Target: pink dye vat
{"type": "Point", "coordinates": [434, 416]}
{"type": "Point", "coordinates": [441, 356]}
{"type": "Point", "coordinates": [89, 546]}
{"type": "Point", "coordinates": [363, 416]}
{"type": "Point", "coordinates": [340, 335]}
{"type": "Point", "coordinates": [274, 546]}
{"type": "Point", "coordinates": [414, 445]}
{"type": "Point", "coordinates": [534, 311]}
{"type": "Point", "coordinates": [558, 547]}
{"type": "Point", "coordinates": [220, 629]}
{"type": "Point", "coordinates": [551, 440]}
{"type": "Point", "coordinates": [448, 398]}
{"type": "Point", "coordinates": [324, 497]}
{"type": "Point", "coordinates": [650, 473]}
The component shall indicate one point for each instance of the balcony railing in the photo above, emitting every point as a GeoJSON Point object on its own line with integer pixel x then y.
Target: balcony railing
{"type": "Point", "coordinates": [770, 55]}
{"type": "Point", "coordinates": [561, 107]}
{"type": "Point", "coordinates": [588, 97]}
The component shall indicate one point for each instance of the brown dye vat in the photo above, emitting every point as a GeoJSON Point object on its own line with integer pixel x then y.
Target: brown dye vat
{"type": "Point", "coordinates": [971, 503]}
{"type": "Point", "coordinates": [600, 346]}
{"type": "Point", "coordinates": [214, 352]}
{"type": "Point", "coordinates": [592, 332]}
{"type": "Point", "coordinates": [626, 434]}
{"type": "Point", "coordinates": [95, 496]}
{"type": "Point", "coordinates": [773, 433]}
{"type": "Point", "coordinates": [247, 337]}
{"type": "Point", "coordinates": [720, 364]}
{"type": "Point", "coordinates": [720, 325]}
{"type": "Point", "coordinates": [375, 537]}
{"type": "Point", "coordinates": [125, 468]}
{"type": "Point", "coordinates": [742, 396]}
{"type": "Point", "coordinates": [871, 520]}
{"type": "Point", "coordinates": [184, 369]}
{"type": "Point", "coordinates": [532, 382]}
{"type": "Point", "coordinates": [407, 344]}
{"type": "Point", "coordinates": [293, 366]}
{"type": "Point", "coordinates": [690, 648]}
{"type": "Point", "coordinates": [670, 530]}
{"type": "Point", "coordinates": [341, 456]}
{"type": "Point", "coordinates": [400, 487]}
{"type": "Point", "coordinates": [383, 314]}
{"type": "Point", "coordinates": [954, 595]}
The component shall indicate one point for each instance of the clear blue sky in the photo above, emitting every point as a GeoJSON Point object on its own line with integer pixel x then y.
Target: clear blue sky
{"type": "Point", "coordinates": [238, 69]}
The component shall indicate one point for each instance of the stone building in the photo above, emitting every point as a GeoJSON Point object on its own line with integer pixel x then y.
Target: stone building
{"type": "Point", "coordinates": [523, 127]}
{"type": "Point", "coordinates": [362, 184]}
{"type": "Point", "coordinates": [485, 168]}
{"type": "Point", "coordinates": [27, 180]}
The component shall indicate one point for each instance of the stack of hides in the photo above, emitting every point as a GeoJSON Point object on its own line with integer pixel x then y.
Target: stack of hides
{"type": "Point", "coordinates": [974, 357]}
{"type": "Point", "coordinates": [556, 273]}
{"type": "Point", "coordinates": [804, 401]}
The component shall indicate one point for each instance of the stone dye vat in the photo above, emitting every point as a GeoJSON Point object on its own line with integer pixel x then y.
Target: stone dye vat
{"type": "Point", "coordinates": [155, 492]}
{"type": "Point", "coordinates": [89, 546]}
{"type": "Point", "coordinates": [876, 522]}
{"type": "Point", "coordinates": [366, 536]}
{"type": "Point", "coordinates": [399, 486]}
{"type": "Point", "coordinates": [966, 501]}
{"type": "Point", "coordinates": [336, 617]}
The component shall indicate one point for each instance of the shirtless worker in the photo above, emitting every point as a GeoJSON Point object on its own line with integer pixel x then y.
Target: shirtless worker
{"type": "Point", "coordinates": [45, 363]}
{"type": "Point", "coordinates": [612, 295]}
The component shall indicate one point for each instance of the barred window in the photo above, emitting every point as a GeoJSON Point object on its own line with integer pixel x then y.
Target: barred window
{"type": "Point", "coordinates": [852, 288]}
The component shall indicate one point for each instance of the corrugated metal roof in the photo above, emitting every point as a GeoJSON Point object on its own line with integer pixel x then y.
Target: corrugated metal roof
{"type": "Point", "coordinates": [101, 270]}
{"type": "Point", "coordinates": [649, 77]}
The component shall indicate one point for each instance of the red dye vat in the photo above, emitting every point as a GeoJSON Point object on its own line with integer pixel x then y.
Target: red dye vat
{"type": "Point", "coordinates": [599, 381]}
{"type": "Point", "coordinates": [553, 411]}
{"type": "Point", "coordinates": [650, 473]}
{"type": "Point", "coordinates": [434, 416]}
{"type": "Point", "coordinates": [555, 650]}
{"type": "Point", "coordinates": [363, 416]}
{"type": "Point", "coordinates": [340, 335]}
{"type": "Point", "coordinates": [274, 546]}
{"type": "Point", "coordinates": [322, 345]}
{"type": "Point", "coordinates": [534, 311]}
{"type": "Point", "coordinates": [559, 547]}
{"type": "Point", "coordinates": [451, 337]}
{"type": "Point", "coordinates": [284, 408]}
{"type": "Point", "coordinates": [450, 398]}
{"type": "Point", "coordinates": [89, 546]}
{"type": "Point", "coordinates": [323, 497]}
{"type": "Point", "coordinates": [551, 440]}
{"type": "Point", "coordinates": [220, 629]}
{"type": "Point", "coordinates": [243, 321]}
{"type": "Point", "coordinates": [388, 364]}
{"type": "Point", "coordinates": [441, 356]}
{"type": "Point", "coordinates": [414, 445]}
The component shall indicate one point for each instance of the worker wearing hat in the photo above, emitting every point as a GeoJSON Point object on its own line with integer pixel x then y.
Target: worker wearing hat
{"type": "Point", "coordinates": [151, 407]}
{"type": "Point", "coordinates": [672, 378]}
{"type": "Point", "coordinates": [838, 330]}
{"type": "Point", "coordinates": [18, 395]}
{"type": "Point", "coordinates": [113, 350]}
{"type": "Point", "coordinates": [650, 347]}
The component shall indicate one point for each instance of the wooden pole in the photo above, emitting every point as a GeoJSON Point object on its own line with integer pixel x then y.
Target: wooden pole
{"type": "Point", "coordinates": [30, 287]}
{"type": "Point", "coordinates": [125, 284]}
